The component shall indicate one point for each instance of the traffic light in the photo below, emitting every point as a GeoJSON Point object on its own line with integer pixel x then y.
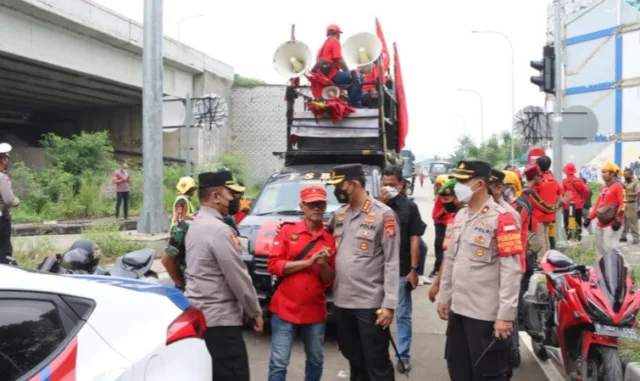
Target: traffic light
{"type": "Point", "coordinates": [547, 68]}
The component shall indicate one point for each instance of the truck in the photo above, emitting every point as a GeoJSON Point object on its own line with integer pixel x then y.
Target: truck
{"type": "Point", "coordinates": [314, 146]}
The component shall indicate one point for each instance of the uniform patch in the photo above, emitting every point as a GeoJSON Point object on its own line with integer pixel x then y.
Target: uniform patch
{"type": "Point", "coordinates": [508, 238]}
{"type": "Point", "coordinates": [367, 205]}
{"type": "Point", "coordinates": [363, 246]}
{"type": "Point", "coordinates": [484, 210]}
{"type": "Point", "coordinates": [365, 234]}
{"type": "Point", "coordinates": [337, 232]}
{"type": "Point", "coordinates": [340, 218]}
{"type": "Point", "coordinates": [343, 211]}
{"type": "Point", "coordinates": [369, 220]}
{"type": "Point", "coordinates": [234, 239]}
{"type": "Point", "coordinates": [479, 252]}
{"type": "Point", "coordinates": [372, 213]}
{"type": "Point", "coordinates": [390, 232]}
{"type": "Point", "coordinates": [510, 228]}
{"type": "Point", "coordinates": [389, 221]}
{"type": "Point", "coordinates": [367, 226]}
{"type": "Point", "coordinates": [293, 237]}
{"type": "Point", "coordinates": [479, 240]}
{"type": "Point", "coordinates": [484, 222]}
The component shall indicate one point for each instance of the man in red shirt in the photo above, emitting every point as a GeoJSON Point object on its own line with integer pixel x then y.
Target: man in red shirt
{"type": "Point", "coordinates": [609, 209]}
{"type": "Point", "coordinates": [329, 62]}
{"type": "Point", "coordinates": [579, 193]}
{"type": "Point", "coordinates": [549, 190]}
{"type": "Point", "coordinates": [302, 258]}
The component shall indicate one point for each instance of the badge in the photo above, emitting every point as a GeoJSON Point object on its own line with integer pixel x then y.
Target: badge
{"type": "Point", "coordinates": [372, 214]}
{"type": "Point", "coordinates": [369, 220]}
{"type": "Point", "coordinates": [484, 222]}
{"type": "Point", "coordinates": [480, 252]}
{"type": "Point", "coordinates": [293, 237]}
{"type": "Point", "coordinates": [343, 211]}
{"type": "Point", "coordinates": [340, 219]}
{"type": "Point", "coordinates": [236, 242]}
{"type": "Point", "coordinates": [479, 239]}
{"type": "Point", "coordinates": [363, 246]}
{"type": "Point", "coordinates": [390, 232]}
{"type": "Point", "coordinates": [485, 210]}
{"type": "Point", "coordinates": [367, 205]}
{"type": "Point", "coordinates": [337, 232]}
{"type": "Point", "coordinates": [365, 234]}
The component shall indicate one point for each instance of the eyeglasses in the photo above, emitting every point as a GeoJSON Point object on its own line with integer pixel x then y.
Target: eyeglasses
{"type": "Point", "coordinates": [316, 204]}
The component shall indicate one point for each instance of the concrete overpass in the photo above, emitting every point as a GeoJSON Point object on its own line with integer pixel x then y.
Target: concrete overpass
{"type": "Point", "coordinates": [68, 66]}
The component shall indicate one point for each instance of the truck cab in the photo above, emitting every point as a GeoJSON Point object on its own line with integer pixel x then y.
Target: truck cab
{"type": "Point", "coordinates": [315, 144]}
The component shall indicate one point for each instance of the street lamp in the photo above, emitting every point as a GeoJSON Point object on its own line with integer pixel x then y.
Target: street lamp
{"type": "Point", "coordinates": [513, 84]}
{"type": "Point", "coordinates": [464, 123]}
{"type": "Point", "coordinates": [481, 111]}
{"type": "Point", "coordinates": [184, 19]}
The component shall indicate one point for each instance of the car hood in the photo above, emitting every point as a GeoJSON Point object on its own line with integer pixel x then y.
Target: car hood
{"type": "Point", "coordinates": [261, 231]}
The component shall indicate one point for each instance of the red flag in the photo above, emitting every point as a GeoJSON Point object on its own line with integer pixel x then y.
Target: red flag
{"type": "Point", "coordinates": [403, 116]}
{"type": "Point", "coordinates": [385, 57]}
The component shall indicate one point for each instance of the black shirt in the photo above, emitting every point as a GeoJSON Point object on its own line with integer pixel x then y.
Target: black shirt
{"type": "Point", "coordinates": [411, 224]}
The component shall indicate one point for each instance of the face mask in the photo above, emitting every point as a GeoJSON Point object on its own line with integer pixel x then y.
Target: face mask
{"type": "Point", "coordinates": [508, 194]}
{"type": "Point", "coordinates": [341, 195]}
{"type": "Point", "coordinates": [463, 192]}
{"type": "Point", "coordinates": [393, 192]}
{"type": "Point", "coordinates": [450, 207]}
{"type": "Point", "coordinates": [234, 206]}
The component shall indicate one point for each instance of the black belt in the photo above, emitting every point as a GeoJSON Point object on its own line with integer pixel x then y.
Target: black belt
{"type": "Point", "coordinates": [628, 201]}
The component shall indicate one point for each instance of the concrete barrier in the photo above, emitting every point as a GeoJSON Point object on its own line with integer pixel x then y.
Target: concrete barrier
{"type": "Point", "coordinates": [67, 227]}
{"type": "Point", "coordinates": [632, 372]}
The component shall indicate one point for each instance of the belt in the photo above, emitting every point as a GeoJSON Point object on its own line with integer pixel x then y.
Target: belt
{"type": "Point", "coordinates": [628, 201]}
{"type": "Point", "coordinates": [5, 213]}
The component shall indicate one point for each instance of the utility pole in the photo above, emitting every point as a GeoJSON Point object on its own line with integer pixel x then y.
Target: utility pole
{"type": "Point", "coordinates": [189, 122]}
{"type": "Point", "coordinates": [557, 117]}
{"type": "Point", "coordinates": [153, 219]}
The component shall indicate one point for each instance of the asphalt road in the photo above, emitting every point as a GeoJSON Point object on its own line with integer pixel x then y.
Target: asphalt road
{"type": "Point", "coordinates": [427, 349]}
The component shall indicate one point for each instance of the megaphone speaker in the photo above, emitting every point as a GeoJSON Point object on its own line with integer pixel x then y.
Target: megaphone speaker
{"type": "Point", "coordinates": [361, 49]}
{"type": "Point", "coordinates": [292, 59]}
{"type": "Point", "coordinates": [330, 92]}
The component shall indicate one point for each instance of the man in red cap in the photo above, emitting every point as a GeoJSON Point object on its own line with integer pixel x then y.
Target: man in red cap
{"type": "Point", "coordinates": [329, 62]}
{"type": "Point", "coordinates": [303, 260]}
{"type": "Point", "coordinates": [579, 193]}
{"type": "Point", "coordinates": [548, 190]}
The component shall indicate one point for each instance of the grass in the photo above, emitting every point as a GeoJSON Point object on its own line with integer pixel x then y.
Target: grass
{"type": "Point", "coordinates": [112, 244]}
{"type": "Point", "coordinates": [30, 252]}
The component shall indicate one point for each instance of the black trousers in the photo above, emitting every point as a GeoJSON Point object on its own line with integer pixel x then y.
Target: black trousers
{"type": "Point", "coordinates": [441, 230]}
{"type": "Point", "coordinates": [467, 341]}
{"type": "Point", "coordinates": [6, 250]}
{"type": "Point", "coordinates": [228, 352]}
{"type": "Point", "coordinates": [123, 198]}
{"type": "Point", "coordinates": [578, 215]}
{"type": "Point", "coordinates": [364, 344]}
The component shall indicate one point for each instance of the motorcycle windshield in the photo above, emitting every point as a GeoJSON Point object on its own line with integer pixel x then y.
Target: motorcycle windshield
{"type": "Point", "coordinates": [612, 275]}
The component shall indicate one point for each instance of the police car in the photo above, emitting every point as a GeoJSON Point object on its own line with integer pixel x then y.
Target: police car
{"type": "Point", "coordinates": [88, 327]}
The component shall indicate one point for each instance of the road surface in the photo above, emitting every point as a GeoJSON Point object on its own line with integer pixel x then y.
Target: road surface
{"type": "Point", "coordinates": [427, 349]}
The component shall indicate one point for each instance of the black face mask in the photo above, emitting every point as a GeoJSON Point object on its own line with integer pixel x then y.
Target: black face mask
{"type": "Point", "coordinates": [234, 206]}
{"type": "Point", "coordinates": [342, 195]}
{"type": "Point", "coordinates": [450, 207]}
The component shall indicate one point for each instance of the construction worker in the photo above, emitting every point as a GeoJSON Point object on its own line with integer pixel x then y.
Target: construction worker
{"type": "Point", "coordinates": [7, 201]}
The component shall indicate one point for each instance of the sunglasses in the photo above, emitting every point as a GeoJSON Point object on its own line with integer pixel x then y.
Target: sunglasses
{"type": "Point", "coordinates": [316, 204]}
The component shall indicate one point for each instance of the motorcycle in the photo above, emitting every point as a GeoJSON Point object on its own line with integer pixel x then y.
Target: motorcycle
{"type": "Point", "coordinates": [81, 260]}
{"type": "Point", "coordinates": [578, 318]}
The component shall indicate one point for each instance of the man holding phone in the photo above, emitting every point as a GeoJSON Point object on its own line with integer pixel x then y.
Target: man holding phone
{"type": "Point", "coordinates": [302, 259]}
{"type": "Point", "coordinates": [411, 229]}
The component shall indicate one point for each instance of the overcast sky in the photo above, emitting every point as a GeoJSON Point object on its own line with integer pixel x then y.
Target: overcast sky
{"type": "Point", "coordinates": [438, 52]}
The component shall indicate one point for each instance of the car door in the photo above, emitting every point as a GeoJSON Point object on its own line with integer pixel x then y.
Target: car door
{"type": "Point", "coordinates": [38, 335]}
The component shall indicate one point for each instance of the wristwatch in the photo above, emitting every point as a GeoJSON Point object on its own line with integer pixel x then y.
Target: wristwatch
{"type": "Point", "coordinates": [414, 268]}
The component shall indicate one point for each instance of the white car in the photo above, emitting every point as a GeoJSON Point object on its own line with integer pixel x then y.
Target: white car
{"type": "Point", "coordinates": [88, 327]}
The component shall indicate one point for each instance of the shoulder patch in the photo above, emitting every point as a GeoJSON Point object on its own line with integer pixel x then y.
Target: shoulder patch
{"type": "Point", "coordinates": [508, 236]}
{"type": "Point", "coordinates": [234, 239]}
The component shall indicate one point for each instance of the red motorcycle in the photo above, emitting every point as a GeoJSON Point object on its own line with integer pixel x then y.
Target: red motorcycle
{"type": "Point", "coordinates": [578, 318]}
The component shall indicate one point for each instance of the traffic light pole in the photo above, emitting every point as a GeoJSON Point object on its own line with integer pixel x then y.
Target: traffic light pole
{"type": "Point", "coordinates": [557, 118]}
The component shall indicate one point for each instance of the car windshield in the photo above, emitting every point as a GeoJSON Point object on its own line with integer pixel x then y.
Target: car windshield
{"type": "Point", "coordinates": [438, 168]}
{"type": "Point", "coordinates": [282, 194]}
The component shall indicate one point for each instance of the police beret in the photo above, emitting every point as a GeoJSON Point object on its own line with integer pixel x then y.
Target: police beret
{"type": "Point", "coordinates": [467, 169]}
{"type": "Point", "coordinates": [345, 172]}
{"type": "Point", "coordinates": [497, 175]}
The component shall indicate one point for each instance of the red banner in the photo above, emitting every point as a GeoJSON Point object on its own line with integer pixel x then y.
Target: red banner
{"type": "Point", "coordinates": [403, 116]}
{"type": "Point", "coordinates": [385, 57]}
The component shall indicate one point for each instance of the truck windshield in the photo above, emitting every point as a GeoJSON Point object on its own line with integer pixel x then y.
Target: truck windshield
{"type": "Point", "coordinates": [282, 195]}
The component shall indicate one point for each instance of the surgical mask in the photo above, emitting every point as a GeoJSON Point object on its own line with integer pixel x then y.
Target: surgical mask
{"type": "Point", "coordinates": [393, 192]}
{"type": "Point", "coordinates": [341, 195]}
{"type": "Point", "coordinates": [450, 207]}
{"type": "Point", "coordinates": [463, 192]}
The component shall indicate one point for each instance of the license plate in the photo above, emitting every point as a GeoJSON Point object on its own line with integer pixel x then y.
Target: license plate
{"type": "Point", "coordinates": [624, 333]}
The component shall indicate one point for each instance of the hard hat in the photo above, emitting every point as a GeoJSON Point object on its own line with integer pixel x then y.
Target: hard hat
{"type": "Point", "coordinates": [185, 184]}
{"type": "Point", "coordinates": [333, 28]}
{"type": "Point", "coordinates": [5, 148]}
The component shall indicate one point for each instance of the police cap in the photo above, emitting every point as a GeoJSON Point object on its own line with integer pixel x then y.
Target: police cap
{"type": "Point", "coordinates": [346, 172]}
{"type": "Point", "coordinates": [467, 169]}
{"type": "Point", "coordinates": [497, 176]}
{"type": "Point", "coordinates": [216, 179]}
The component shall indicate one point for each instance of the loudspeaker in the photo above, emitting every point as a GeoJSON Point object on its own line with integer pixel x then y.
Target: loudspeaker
{"type": "Point", "coordinates": [292, 59]}
{"type": "Point", "coordinates": [361, 49]}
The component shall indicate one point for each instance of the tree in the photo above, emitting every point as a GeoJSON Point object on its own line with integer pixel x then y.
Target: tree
{"type": "Point", "coordinates": [246, 81]}
{"type": "Point", "coordinates": [496, 150]}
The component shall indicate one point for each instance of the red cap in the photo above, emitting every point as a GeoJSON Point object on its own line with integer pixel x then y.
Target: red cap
{"type": "Point", "coordinates": [569, 169]}
{"type": "Point", "coordinates": [532, 171]}
{"type": "Point", "coordinates": [313, 194]}
{"type": "Point", "coordinates": [333, 28]}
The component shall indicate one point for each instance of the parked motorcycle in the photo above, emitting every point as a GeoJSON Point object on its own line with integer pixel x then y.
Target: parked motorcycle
{"type": "Point", "coordinates": [83, 257]}
{"type": "Point", "coordinates": [578, 318]}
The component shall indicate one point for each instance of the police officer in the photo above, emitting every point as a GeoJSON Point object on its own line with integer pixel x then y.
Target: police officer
{"type": "Point", "coordinates": [365, 290]}
{"type": "Point", "coordinates": [7, 201]}
{"type": "Point", "coordinates": [483, 257]}
{"type": "Point", "coordinates": [217, 280]}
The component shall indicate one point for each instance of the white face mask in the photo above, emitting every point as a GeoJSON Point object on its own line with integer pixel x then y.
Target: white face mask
{"type": "Point", "coordinates": [463, 192]}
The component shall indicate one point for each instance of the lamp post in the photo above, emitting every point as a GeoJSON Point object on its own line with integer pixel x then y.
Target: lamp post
{"type": "Point", "coordinates": [481, 112]}
{"type": "Point", "coordinates": [185, 19]}
{"type": "Point", "coordinates": [513, 84]}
